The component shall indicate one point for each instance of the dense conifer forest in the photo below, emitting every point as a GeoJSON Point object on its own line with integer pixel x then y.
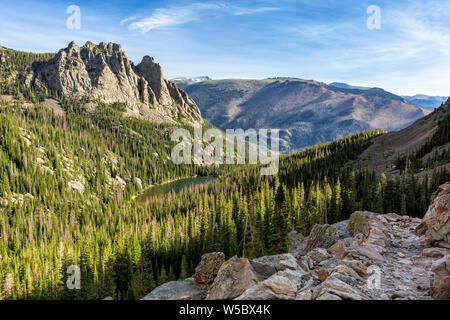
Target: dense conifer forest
{"type": "Point", "coordinates": [68, 182]}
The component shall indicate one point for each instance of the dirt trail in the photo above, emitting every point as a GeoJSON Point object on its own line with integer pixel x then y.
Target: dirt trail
{"type": "Point", "coordinates": [407, 272]}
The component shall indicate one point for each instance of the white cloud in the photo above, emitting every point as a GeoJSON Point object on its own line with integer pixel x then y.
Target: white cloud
{"type": "Point", "coordinates": [245, 11]}
{"type": "Point", "coordinates": [173, 16]}
{"type": "Point", "coordinates": [167, 17]}
{"type": "Point", "coordinates": [128, 19]}
{"type": "Point", "coordinates": [409, 54]}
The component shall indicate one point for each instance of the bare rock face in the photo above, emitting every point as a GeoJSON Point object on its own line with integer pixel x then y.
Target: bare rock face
{"type": "Point", "coordinates": [342, 228]}
{"type": "Point", "coordinates": [359, 222]}
{"type": "Point", "coordinates": [436, 228]}
{"type": "Point", "coordinates": [263, 270]}
{"type": "Point", "coordinates": [177, 290]}
{"type": "Point", "coordinates": [208, 267]}
{"type": "Point", "coordinates": [436, 223]}
{"type": "Point", "coordinates": [279, 262]}
{"type": "Point", "coordinates": [318, 255]}
{"type": "Point", "coordinates": [234, 277]}
{"type": "Point", "coordinates": [441, 283]}
{"type": "Point", "coordinates": [385, 259]}
{"type": "Point", "coordinates": [296, 241]}
{"type": "Point", "coordinates": [338, 288]}
{"type": "Point", "coordinates": [321, 236]}
{"type": "Point", "coordinates": [104, 72]}
{"type": "Point", "coordinates": [282, 285]}
{"type": "Point", "coordinates": [258, 292]}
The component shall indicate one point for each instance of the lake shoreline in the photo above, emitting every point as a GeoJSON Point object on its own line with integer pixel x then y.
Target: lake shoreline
{"type": "Point", "coordinates": [147, 189]}
{"type": "Point", "coordinates": [143, 190]}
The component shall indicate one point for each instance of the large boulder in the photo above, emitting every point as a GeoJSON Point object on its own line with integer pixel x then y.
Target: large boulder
{"type": "Point", "coordinates": [284, 284]}
{"type": "Point", "coordinates": [342, 228]}
{"type": "Point", "coordinates": [321, 236]}
{"type": "Point", "coordinates": [310, 290]}
{"type": "Point", "coordinates": [207, 269]}
{"type": "Point", "coordinates": [356, 265]}
{"type": "Point", "coordinates": [281, 285]}
{"type": "Point", "coordinates": [296, 241]}
{"type": "Point", "coordinates": [279, 262]}
{"type": "Point", "coordinates": [441, 283]}
{"type": "Point", "coordinates": [435, 252]}
{"type": "Point", "coordinates": [318, 255]}
{"type": "Point", "coordinates": [359, 222]}
{"type": "Point", "coordinates": [177, 290]}
{"type": "Point", "coordinates": [263, 270]}
{"type": "Point", "coordinates": [436, 222]}
{"type": "Point", "coordinates": [336, 287]}
{"type": "Point", "coordinates": [234, 277]}
{"type": "Point", "coordinates": [258, 292]}
{"type": "Point", "coordinates": [371, 237]}
{"type": "Point", "coordinates": [339, 249]}
{"type": "Point", "coordinates": [367, 251]}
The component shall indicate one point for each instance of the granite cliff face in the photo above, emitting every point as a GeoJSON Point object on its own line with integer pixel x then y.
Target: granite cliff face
{"type": "Point", "coordinates": [104, 72]}
{"type": "Point", "coordinates": [368, 257]}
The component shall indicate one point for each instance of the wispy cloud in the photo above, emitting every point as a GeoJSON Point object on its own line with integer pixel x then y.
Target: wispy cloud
{"type": "Point", "coordinates": [322, 40]}
{"type": "Point", "coordinates": [167, 17]}
{"type": "Point", "coordinates": [128, 19]}
{"type": "Point", "coordinates": [245, 11]}
{"type": "Point", "coordinates": [405, 56]}
{"type": "Point", "coordinates": [173, 16]}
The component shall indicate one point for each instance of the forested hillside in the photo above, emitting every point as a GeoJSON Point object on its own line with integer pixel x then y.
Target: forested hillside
{"type": "Point", "coordinates": [307, 112]}
{"type": "Point", "coordinates": [123, 249]}
{"type": "Point", "coordinates": [69, 170]}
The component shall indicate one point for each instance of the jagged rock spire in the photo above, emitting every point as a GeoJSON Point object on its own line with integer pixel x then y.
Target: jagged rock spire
{"type": "Point", "coordinates": [104, 72]}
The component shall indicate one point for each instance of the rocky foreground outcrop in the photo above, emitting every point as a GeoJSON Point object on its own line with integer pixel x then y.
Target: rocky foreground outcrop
{"type": "Point", "coordinates": [104, 72]}
{"type": "Point", "coordinates": [368, 257]}
{"type": "Point", "coordinates": [435, 225]}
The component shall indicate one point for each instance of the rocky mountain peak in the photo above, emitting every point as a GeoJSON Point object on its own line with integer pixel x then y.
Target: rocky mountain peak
{"type": "Point", "coordinates": [148, 59]}
{"type": "Point", "coordinates": [150, 70]}
{"type": "Point", "coordinates": [72, 45]}
{"type": "Point", "coordinates": [104, 72]}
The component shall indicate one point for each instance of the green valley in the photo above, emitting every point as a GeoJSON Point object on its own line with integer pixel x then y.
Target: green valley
{"type": "Point", "coordinates": [71, 167]}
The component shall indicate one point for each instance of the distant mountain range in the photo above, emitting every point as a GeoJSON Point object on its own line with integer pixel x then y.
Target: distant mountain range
{"type": "Point", "coordinates": [194, 79]}
{"type": "Point", "coordinates": [306, 112]}
{"type": "Point", "coordinates": [427, 102]}
{"type": "Point", "coordinates": [424, 101]}
{"type": "Point", "coordinates": [348, 86]}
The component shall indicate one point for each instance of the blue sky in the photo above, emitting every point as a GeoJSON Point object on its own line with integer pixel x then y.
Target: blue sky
{"type": "Point", "coordinates": [321, 40]}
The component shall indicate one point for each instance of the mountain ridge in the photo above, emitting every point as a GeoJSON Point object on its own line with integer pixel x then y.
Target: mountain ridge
{"type": "Point", "coordinates": [192, 79]}
{"type": "Point", "coordinates": [422, 100]}
{"type": "Point", "coordinates": [104, 72]}
{"type": "Point", "coordinates": [384, 154]}
{"type": "Point", "coordinates": [307, 112]}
